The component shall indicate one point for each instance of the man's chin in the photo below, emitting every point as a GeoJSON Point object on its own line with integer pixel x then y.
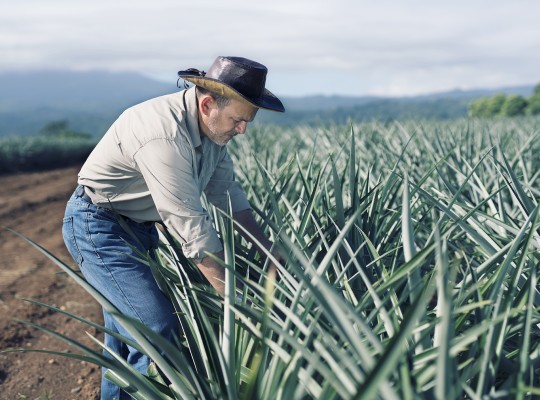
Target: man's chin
{"type": "Point", "coordinates": [224, 141]}
{"type": "Point", "coordinates": [221, 142]}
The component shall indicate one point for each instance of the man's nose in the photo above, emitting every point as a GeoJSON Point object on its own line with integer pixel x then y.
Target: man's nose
{"type": "Point", "coordinates": [241, 127]}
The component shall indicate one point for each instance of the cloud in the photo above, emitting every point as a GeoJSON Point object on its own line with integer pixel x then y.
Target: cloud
{"type": "Point", "coordinates": [345, 46]}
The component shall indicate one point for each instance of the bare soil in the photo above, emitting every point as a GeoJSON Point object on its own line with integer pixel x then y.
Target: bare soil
{"type": "Point", "coordinates": [33, 204]}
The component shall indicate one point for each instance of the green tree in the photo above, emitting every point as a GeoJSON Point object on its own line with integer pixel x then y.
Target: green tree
{"type": "Point", "coordinates": [533, 108]}
{"type": "Point", "coordinates": [479, 108]}
{"type": "Point", "coordinates": [487, 107]}
{"type": "Point", "coordinates": [54, 128]}
{"type": "Point", "coordinates": [513, 106]}
{"type": "Point", "coordinates": [60, 128]}
{"type": "Point", "coordinates": [495, 104]}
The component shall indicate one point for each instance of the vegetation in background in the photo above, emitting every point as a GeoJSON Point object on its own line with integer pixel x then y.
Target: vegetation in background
{"type": "Point", "coordinates": [506, 106]}
{"type": "Point", "coordinates": [382, 109]}
{"type": "Point", "coordinates": [413, 257]}
{"type": "Point", "coordinates": [60, 129]}
{"type": "Point", "coordinates": [55, 146]}
{"type": "Point", "coordinates": [92, 100]}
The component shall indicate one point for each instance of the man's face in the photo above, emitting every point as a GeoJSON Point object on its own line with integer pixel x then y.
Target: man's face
{"type": "Point", "coordinates": [225, 123]}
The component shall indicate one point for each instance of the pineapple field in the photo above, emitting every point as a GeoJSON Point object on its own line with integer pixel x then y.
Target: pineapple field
{"type": "Point", "coordinates": [412, 255]}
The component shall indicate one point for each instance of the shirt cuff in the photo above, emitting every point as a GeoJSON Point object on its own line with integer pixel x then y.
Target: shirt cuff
{"type": "Point", "coordinates": [201, 245]}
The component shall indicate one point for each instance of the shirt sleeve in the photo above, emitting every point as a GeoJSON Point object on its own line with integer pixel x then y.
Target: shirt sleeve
{"type": "Point", "coordinates": [167, 168]}
{"type": "Point", "coordinates": [223, 181]}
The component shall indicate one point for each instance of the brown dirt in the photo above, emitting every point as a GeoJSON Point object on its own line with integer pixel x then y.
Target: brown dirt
{"type": "Point", "coordinates": [33, 204]}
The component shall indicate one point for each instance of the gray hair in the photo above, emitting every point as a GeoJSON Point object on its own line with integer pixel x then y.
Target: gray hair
{"type": "Point", "coordinates": [221, 101]}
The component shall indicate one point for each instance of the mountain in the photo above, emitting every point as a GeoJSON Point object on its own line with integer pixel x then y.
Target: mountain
{"type": "Point", "coordinates": [314, 110]}
{"type": "Point", "coordinates": [470, 94]}
{"type": "Point", "coordinates": [71, 90]}
{"type": "Point", "coordinates": [91, 101]}
{"type": "Point", "coordinates": [309, 103]}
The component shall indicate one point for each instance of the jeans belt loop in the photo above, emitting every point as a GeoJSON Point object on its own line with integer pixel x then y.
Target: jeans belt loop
{"type": "Point", "coordinates": [83, 195]}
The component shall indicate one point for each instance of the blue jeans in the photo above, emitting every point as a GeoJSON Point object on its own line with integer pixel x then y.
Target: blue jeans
{"type": "Point", "coordinates": [97, 242]}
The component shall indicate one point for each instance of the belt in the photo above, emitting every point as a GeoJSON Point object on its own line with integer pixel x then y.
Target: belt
{"type": "Point", "coordinates": [80, 192]}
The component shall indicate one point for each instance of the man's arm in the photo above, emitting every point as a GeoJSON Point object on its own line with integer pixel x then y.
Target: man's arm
{"type": "Point", "coordinates": [215, 273]}
{"type": "Point", "coordinates": [223, 182]}
{"type": "Point", "coordinates": [247, 221]}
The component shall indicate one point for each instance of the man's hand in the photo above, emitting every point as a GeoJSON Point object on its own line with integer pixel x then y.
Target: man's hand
{"type": "Point", "coordinates": [214, 272]}
{"type": "Point", "coordinates": [249, 229]}
{"type": "Point", "coordinates": [279, 259]}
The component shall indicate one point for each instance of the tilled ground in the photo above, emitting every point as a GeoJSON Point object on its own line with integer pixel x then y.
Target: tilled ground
{"type": "Point", "coordinates": [33, 204]}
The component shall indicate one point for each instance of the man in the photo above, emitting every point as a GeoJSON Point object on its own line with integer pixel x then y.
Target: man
{"type": "Point", "coordinates": [153, 165]}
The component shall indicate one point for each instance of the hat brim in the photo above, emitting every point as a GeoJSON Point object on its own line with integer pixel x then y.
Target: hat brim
{"type": "Point", "coordinates": [267, 100]}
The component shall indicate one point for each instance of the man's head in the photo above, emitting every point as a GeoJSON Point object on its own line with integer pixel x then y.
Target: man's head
{"type": "Point", "coordinates": [222, 118]}
{"type": "Point", "coordinates": [229, 95]}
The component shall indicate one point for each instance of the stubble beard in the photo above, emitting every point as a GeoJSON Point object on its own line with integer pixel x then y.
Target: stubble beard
{"type": "Point", "coordinates": [221, 139]}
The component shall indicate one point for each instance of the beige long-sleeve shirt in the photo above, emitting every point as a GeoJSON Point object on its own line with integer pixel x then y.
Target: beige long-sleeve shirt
{"type": "Point", "coordinates": [153, 164]}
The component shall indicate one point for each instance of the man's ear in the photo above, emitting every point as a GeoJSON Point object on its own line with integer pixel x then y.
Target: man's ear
{"type": "Point", "coordinates": [207, 104]}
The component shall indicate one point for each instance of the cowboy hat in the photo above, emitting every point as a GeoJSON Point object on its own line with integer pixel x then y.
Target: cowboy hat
{"type": "Point", "coordinates": [237, 78]}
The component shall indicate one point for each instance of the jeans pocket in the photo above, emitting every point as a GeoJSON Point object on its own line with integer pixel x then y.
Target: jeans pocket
{"type": "Point", "coordinates": [68, 233]}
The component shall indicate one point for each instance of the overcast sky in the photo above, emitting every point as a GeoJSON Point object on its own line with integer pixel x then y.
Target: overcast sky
{"type": "Point", "coordinates": [351, 47]}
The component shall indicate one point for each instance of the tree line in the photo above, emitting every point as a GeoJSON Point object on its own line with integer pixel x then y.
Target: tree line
{"type": "Point", "coordinates": [506, 106]}
{"type": "Point", "coordinates": [55, 145]}
{"type": "Point", "coordinates": [60, 129]}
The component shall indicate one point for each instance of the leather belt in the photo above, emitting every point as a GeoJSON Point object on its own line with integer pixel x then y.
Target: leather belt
{"type": "Point", "coordinates": [81, 192]}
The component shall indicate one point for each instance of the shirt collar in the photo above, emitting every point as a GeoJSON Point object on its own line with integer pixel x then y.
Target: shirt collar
{"type": "Point", "coordinates": [192, 109]}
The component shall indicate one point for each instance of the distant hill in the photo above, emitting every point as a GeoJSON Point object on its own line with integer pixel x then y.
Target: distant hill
{"type": "Point", "coordinates": [92, 100]}
{"type": "Point", "coordinates": [323, 109]}
{"type": "Point", "coordinates": [74, 91]}
{"type": "Point", "coordinates": [309, 103]}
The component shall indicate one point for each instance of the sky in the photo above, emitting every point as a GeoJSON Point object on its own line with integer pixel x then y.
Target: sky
{"type": "Point", "coordinates": [337, 47]}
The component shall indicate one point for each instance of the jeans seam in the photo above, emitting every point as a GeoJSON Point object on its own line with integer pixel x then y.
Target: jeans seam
{"type": "Point", "coordinates": [69, 232]}
{"type": "Point", "coordinates": [125, 298]}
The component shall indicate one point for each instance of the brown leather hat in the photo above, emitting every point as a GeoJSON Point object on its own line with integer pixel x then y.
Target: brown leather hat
{"type": "Point", "coordinates": [237, 78]}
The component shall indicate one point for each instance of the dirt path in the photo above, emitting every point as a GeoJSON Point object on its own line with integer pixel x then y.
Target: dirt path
{"type": "Point", "coordinates": [33, 204]}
